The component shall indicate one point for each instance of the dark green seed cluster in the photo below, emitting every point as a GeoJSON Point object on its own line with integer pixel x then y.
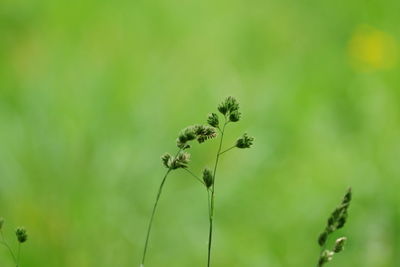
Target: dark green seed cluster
{"type": "Point", "coordinates": [245, 141]}
{"type": "Point", "coordinates": [213, 120]}
{"type": "Point", "coordinates": [336, 221]}
{"type": "Point", "coordinates": [21, 234]}
{"type": "Point", "coordinates": [230, 108]}
{"type": "Point", "coordinates": [339, 244]}
{"type": "Point", "coordinates": [173, 163]}
{"type": "Point", "coordinates": [207, 177]}
{"type": "Point", "coordinates": [200, 133]}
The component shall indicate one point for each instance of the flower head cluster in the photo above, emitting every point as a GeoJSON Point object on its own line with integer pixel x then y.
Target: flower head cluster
{"type": "Point", "coordinates": [325, 257]}
{"type": "Point", "coordinates": [200, 133]}
{"type": "Point", "coordinates": [339, 244]}
{"type": "Point", "coordinates": [21, 234]}
{"type": "Point", "coordinates": [230, 109]}
{"type": "Point", "coordinates": [245, 141]}
{"type": "Point", "coordinates": [213, 120]}
{"type": "Point", "coordinates": [336, 221]}
{"type": "Point", "coordinates": [208, 177]}
{"type": "Point", "coordinates": [173, 163]}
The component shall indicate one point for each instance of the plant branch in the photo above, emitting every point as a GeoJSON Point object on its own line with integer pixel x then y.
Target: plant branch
{"type": "Point", "coordinates": [211, 213]}
{"type": "Point", "coordinates": [195, 176]}
{"type": "Point", "coordinates": [226, 150]}
{"type": "Point", "coordinates": [154, 211]}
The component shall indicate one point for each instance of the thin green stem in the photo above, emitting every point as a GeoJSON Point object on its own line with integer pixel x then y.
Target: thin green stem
{"type": "Point", "coordinates": [4, 242]}
{"type": "Point", "coordinates": [226, 150]}
{"type": "Point", "coordinates": [154, 211]}
{"type": "Point", "coordinates": [208, 200]}
{"type": "Point", "coordinates": [19, 252]}
{"type": "Point", "coordinates": [195, 176]}
{"type": "Point", "coordinates": [211, 213]}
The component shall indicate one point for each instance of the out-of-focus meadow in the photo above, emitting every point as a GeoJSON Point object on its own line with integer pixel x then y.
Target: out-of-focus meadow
{"type": "Point", "coordinates": [93, 92]}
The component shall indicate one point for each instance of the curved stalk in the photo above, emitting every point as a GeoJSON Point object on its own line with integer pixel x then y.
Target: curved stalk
{"type": "Point", "coordinates": [4, 242]}
{"type": "Point", "coordinates": [152, 216]}
{"type": "Point", "coordinates": [153, 213]}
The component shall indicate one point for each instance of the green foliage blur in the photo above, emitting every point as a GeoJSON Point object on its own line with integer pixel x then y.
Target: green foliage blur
{"type": "Point", "coordinates": [92, 93]}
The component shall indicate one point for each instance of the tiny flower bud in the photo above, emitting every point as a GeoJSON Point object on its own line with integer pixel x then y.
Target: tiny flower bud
{"type": "Point", "coordinates": [347, 197]}
{"type": "Point", "coordinates": [204, 132]}
{"type": "Point", "coordinates": [228, 106]}
{"type": "Point", "coordinates": [213, 120]}
{"type": "Point", "coordinates": [181, 161]}
{"type": "Point", "coordinates": [234, 116]}
{"type": "Point", "coordinates": [339, 244]}
{"type": "Point", "coordinates": [185, 136]}
{"type": "Point", "coordinates": [325, 257]}
{"type": "Point", "coordinates": [21, 234]}
{"type": "Point", "coordinates": [223, 109]}
{"type": "Point", "coordinates": [322, 238]}
{"type": "Point", "coordinates": [166, 160]}
{"type": "Point", "coordinates": [245, 141]}
{"type": "Point", "coordinates": [199, 132]}
{"type": "Point", "coordinates": [208, 177]}
{"type": "Point", "coordinates": [342, 219]}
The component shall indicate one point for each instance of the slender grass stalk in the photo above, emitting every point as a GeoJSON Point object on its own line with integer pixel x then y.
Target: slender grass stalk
{"type": "Point", "coordinates": [18, 253]}
{"type": "Point", "coordinates": [212, 197]}
{"type": "Point", "coordinates": [226, 150]}
{"type": "Point", "coordinates": [152, 216]}
{"type": "Point", "coordinates": [230, 109]}
{"type": "Point", "coordinates": [200, 133]}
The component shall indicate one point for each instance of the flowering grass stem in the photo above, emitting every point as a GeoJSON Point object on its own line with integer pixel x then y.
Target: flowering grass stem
{"type": "Point", "coordinates": [160, 189]}
{"type": "Point", "coordinates": [212, 197]}
{"type": "Point", "coordinates": [230, 110]}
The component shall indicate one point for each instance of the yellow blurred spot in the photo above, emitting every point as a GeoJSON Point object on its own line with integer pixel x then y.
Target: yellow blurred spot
{"type": "Point", "coordinates": [372, 49]}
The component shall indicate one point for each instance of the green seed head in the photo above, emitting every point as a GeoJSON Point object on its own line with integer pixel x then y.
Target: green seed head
{"type": "Point", "coordinates": [204, 132]}
{"type": "Point", "coordinates": [173, 163]}
{"type": "Point", "coordinates": [228, 106]}
{"type": "Point", "coordinates": [339, 244]}
{"type": "Point", "coordinates": [234, 116]}
{"type": "Point", "coordinates": [207, 177]}
{"type": "Point", "coordinates": [245, 141]}
{"type": "Point", "coordinates": [21, 234]}
{"type": "Point", "coordinates": [199, 132]}
{"type": "Point", "coordinates": [213, 120]}
{"type": "Point", "coordinates": [325, 257]}
{"type": "Point", "coordinates": [181, 161]}
{"type": "Point", "coordinates": [185, 136]}
{"type": "Point", "coordinates": [347, 196]}
{"type": "Point", "coordinates": [166, 160]}
{"type": "Point", "coordinates": [322, 238]}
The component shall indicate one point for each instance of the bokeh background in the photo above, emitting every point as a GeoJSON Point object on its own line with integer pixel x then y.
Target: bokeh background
{"type": "Point", "coordinates": [93, 92]}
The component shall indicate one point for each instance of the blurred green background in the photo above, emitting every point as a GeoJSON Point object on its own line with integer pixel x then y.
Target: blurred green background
{"type": "Point", "coordinates": [93, 92]}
